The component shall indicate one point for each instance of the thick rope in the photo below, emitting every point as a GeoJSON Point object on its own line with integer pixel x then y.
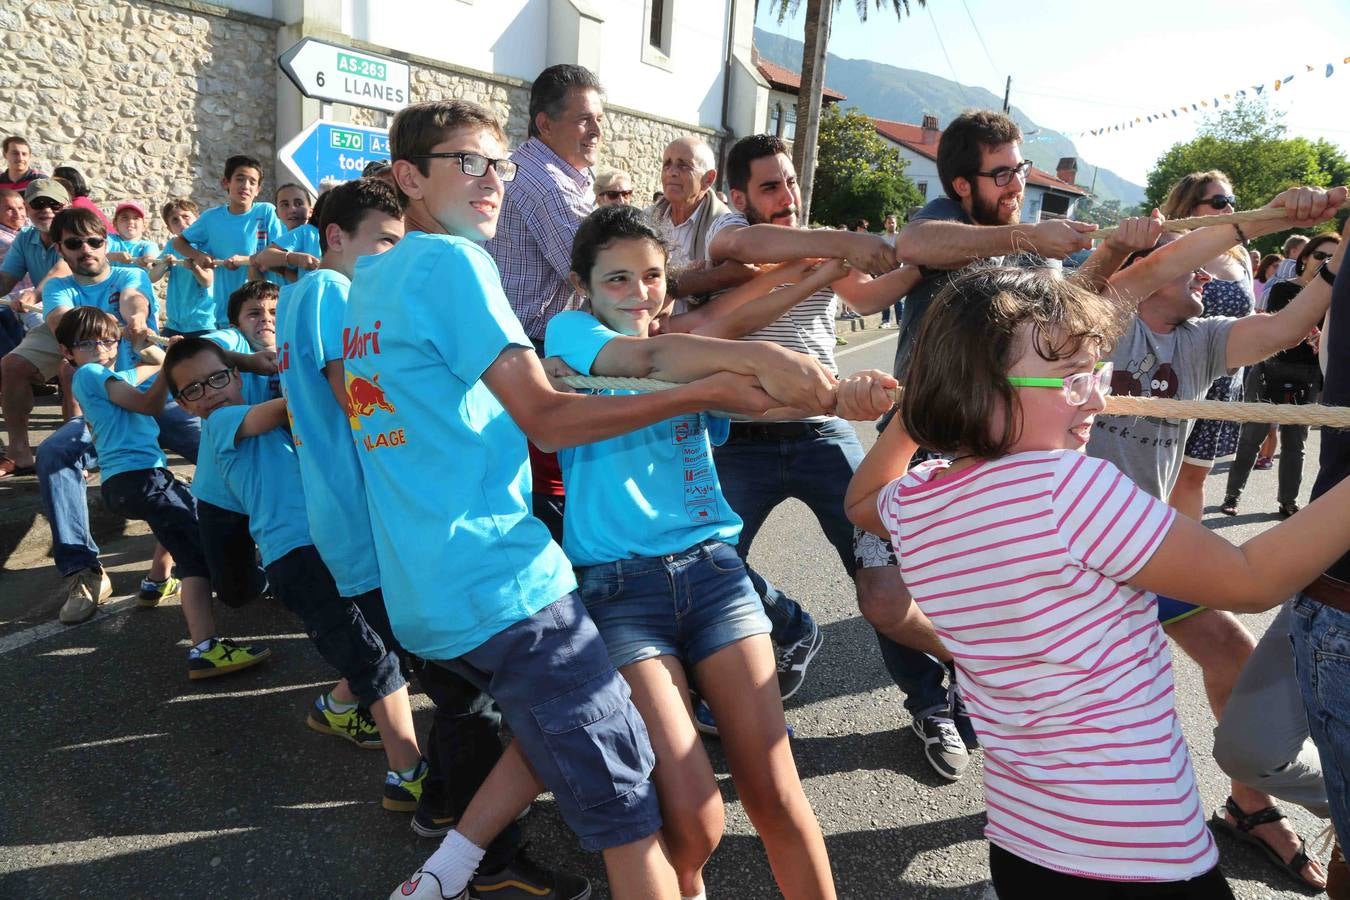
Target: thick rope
{"type": "Point", "coordinates": [1234, 218]}
{"type": "Point", "coordinates": [1265, 413]}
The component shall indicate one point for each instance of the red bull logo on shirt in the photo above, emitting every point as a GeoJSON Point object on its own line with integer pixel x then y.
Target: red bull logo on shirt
{"type": "Point", "coordinates": [364, 397]}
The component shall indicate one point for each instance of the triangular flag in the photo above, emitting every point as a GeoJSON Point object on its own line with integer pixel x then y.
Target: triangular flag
{"type": "Point", "coordinates": [1330, 69]}
{"type": "Point", "coordinates": [1205, 104]}
{"type": "Point", "coordinates": [1137, 119]}
{"type": "Point", "coordinates": [1307, 67]}
{"type": "Point", "coordinates": [1288, 78]}
{"type": "Point", "coordinates": [1278, 82]}
{"type": "Point", "coordinates": [1258, 88]}
{"type": "Point", "coordinates": [1241, 93]}
{"type": "Point", "coordinates": [1226, 97]}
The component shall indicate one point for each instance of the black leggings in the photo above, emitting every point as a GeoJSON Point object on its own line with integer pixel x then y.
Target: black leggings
{"type": "Point", "coordinates": [1016, 879]}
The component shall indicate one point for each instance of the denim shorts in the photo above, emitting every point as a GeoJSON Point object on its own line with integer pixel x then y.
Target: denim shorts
{"type": "Point", "coordinates": [338, 625]}
{"type": "Point", "coordinates": [164, 503]}
{"type": "Point", "coordinates": [575, 721]}
{"type": "Point", "coordinates": [688, 605]}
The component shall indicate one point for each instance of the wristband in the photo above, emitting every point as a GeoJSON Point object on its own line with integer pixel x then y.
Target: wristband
{"type": "Point", "coordinates": [1324, 272]}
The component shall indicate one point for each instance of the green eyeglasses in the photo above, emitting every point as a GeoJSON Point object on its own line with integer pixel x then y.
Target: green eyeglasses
{"type": "Point", "coordinates": [1078, 389]}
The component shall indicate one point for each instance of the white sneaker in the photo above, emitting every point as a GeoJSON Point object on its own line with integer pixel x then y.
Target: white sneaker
{"type": "Point", "coordinates": [424, 886]}
{"type": "Point", "coordinates": [85, 590]}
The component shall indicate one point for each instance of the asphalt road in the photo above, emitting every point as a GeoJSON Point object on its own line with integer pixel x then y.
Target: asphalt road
{"type": "Point", "coordinates": [123, 779]}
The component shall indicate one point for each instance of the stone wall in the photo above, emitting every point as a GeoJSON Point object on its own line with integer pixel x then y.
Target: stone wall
{"type": "Point", "coordinates": [146, 99]}
{"type": "Point", "coordinates": [633, 141]}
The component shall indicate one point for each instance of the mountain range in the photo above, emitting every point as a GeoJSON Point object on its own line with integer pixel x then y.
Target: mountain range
{"type": "Point", "coordinates": [905, 95]}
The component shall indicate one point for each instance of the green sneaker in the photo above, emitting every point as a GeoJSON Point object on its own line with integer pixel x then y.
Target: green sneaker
{"type": "Point", "coordinates": [152, 593]}
{"type": "Point", "coordinates": [354, 725]}
{"type": "Point", "coordinates": [401, 794]}
{"type": "Point", "coordinates": [223, 657]}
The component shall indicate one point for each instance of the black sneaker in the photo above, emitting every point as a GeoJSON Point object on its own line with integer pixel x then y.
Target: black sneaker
{"type": "Point", "coordinates": [942, 745]}
{"type": "Point", "coordinates": [522, 879]}
{"type": "Point", "coordinates": [793, 660]}
{"type": "Point", "coordinates": [430, 824]}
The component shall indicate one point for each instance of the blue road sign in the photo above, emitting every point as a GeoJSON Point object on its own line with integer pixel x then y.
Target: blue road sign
{"type": "Point", "coordinates": [333, 150]}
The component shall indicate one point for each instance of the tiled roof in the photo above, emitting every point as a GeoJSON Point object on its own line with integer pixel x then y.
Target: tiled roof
{"type": "Point", "coordinates": [787, 80]}
{"type": "Point", "coordinates": [911, 137]}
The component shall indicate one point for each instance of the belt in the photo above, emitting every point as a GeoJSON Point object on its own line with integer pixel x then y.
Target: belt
{"type": "Point", "coordinates": [1330, 592]}
{"type": "Point", "coordinates": [771, 431]}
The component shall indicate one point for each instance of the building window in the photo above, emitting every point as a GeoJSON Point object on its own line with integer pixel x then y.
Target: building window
{"type": "Point", "coordinates": [923, 189]}
{"type": "Point", "coordinates": [776, 120]}
{"type": "Point", "coordinates": [790, 129]}
{"type": "Point", "coordinates": [659, 16]}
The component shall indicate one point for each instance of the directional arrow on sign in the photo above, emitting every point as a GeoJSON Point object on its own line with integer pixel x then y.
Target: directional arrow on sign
{"type": "Point", "coordinates": [335, 150]}
{"type": "Point", "coordinates": [340, 74]}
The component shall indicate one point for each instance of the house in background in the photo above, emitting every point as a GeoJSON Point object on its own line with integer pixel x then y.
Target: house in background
{"type": "Point", "coordinates": [784, 87]}
{"type": "Point", "coordinates": [1046, 196]}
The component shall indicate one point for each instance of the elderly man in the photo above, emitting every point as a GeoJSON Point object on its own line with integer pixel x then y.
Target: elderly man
{"type": "Point", "coordinates": [613, 187]}
{"type": "Point", "coordinates": [685, 215]}
{"type": "Point", "coordinates": [37, 359]}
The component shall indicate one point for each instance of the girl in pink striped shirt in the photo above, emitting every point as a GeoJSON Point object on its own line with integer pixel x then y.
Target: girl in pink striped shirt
{"type": "Point", "coordinates": [1038, 567]}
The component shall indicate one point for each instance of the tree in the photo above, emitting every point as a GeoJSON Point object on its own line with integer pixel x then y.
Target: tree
{"type": "Point", "coordinates": [859, 175]}
{"type": "Point", "coordinates": [815, 44]}
{"type": "Point", "coordinates": [1247, 142]}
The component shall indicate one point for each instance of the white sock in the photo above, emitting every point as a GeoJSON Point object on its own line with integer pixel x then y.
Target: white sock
{"type": "Point", "coordinates": [454, 862]}
{"type": "Point", "coordinates": [338, 706]}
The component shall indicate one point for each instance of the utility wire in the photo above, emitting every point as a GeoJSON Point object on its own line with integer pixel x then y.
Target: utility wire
{"type": "Point", "coordinates": [938, 33]}
{"type": "Point", "coordinates": [987, 55]}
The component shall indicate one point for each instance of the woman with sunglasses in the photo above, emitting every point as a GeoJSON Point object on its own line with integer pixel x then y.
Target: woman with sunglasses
{"type": "Point", "coordinates": [1290, 376]}
{"type": "Point", "coordinates": [1227, 293]}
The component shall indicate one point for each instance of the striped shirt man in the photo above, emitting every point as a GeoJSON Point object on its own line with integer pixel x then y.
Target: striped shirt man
{"type": "Point", "coordinates": [541, 212]}
{"type": "Point", "coordinates": [1022, 565]}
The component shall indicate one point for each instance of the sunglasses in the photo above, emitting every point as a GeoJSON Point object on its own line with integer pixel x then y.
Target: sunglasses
{"type": "Point", "coordinates": [75, 243]}
{"type": "Point", "coordinates": [46, 203]}
{"type": "Point", "coordinates": [95, 344]}
{"type": "Point", "coordinates": [475, 165]}
{"type": "Point", "coordinates": [1005, 174]}
{"type": "Point", "coordinates": [1218, 201]}
{"type": "Point", "coordinates": [1078, 389]}
{"type": "Point", "coordinates": [617, 195]}
{"type": "Point", "coordinates": [195, 390]}
{"type": "Point", "coordinates": [1322, 255]}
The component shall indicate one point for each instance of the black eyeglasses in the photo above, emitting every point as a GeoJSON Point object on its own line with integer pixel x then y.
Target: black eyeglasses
{"type": "Point", "coordinates": [475, 165]}
{"type": "Point", "coordinates": [194, 390]}
{"type": "Point", "coordinates": [94, 344]}
{"type": "Point", "coordinates": [75, 243]}
{"type": "Point", "coordinates": [1219, 201]}
{"type": "Point", "coordinates": [46, 203]}
{"type": "Point", "coordinates": [1322, 255]}
{"type": "Point", "coordinates": [617, 195]}
{"type": "Point", "coordinates": [1004, 174]}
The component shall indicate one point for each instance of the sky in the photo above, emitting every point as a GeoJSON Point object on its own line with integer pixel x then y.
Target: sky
{"type": "Point", "coordinates": [1077, 66]}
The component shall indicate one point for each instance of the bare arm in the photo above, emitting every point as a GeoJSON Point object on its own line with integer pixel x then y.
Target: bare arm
{"type": "Point", "coordinates": [158, 268]}
{"type": "Point", "coordinates": [7, 283]}
{"type": "Point", "coordinates": [727, 274]}
{"type": "Point", "coordinates": [867, 296]}
{"type": "Point", "coordinates": [553, 420]}
{"type": "Point", "coordinates": [950, 244]}
{"type": "Point", "coordinates": [794, 379]}
{"type": "Point", "coordinates": [886, 461]}
{"type": "Point", "coordinates": [756, 303]}
{"type": "Point", "coordinates": [190, 252]}
{"type": "Point", "coordinates": [1134, 233]}
{"type": "Point", "coordinates": [777, 243]}
{"type": "Point", "coordinates": [149, 402]}
{"type": "Point", "coordinates": [1197, 565]}
{"type": "Point", "coordinates": [336, 377]}
{"type": "Point", "coordinates": [273, 257]}
{"type": "Point", "coordinates": [261, 418]}
{"type": "Point", "coordinates": [261, 362]}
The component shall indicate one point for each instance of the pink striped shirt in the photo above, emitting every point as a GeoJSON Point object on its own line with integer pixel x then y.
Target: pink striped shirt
{"type": "Point", "coordinates": [1021, 563]}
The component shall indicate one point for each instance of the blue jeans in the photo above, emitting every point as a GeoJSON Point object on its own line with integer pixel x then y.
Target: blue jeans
{"type": "Point", "coordinates": [62, 460]}
{"type": "Point", "coordinates": [1321, 636]}
{"type": "Point", "coordinates": [758, 473]}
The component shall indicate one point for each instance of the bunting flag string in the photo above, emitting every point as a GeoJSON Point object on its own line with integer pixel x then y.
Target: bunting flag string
{"type": "Point", "coordinates": [1208, 103]}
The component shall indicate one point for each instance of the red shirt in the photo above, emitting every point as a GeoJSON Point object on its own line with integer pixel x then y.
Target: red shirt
{"type": "Point", "coordinates": [24, 179]}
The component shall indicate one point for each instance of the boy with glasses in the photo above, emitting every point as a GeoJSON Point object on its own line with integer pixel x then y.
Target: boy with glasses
{"type": "Point", "coordinates": [119, 406]}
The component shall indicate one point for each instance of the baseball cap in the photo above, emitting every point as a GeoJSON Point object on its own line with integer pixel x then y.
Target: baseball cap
{"type": "Point", "coordinates": [45, 187]}
{"type": "Point", "coordinates": [131, 205]}
{"type": "Point", "coordinates": [376, 167]}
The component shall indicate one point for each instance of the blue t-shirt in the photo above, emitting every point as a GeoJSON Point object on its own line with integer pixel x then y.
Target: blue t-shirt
{"type": "Point", "coordinates": [222, 234]}
{"type": "Point", "coordinates": [207, 482]}
{"type": "Point", "coordinates": [28, 256]}
{"type": "Point", "coordinates": [309, 334]}
{"type": "Point", "coordinates": [447, 475]}
{"type": "Point", "coordinates": [302, 239]}
{"type": "Point", "coordinates": [135, 249]}
{"type": "Point", "coordinates": [190, 307]}
{"type": "Point", "coordinates": [650, 492]}
{"type": "Point", "coordinates": [126, 441]}
{"type": "Point", "coordinates": [264, 477]}
{"type": "Point", "coordinates": [66, 293]}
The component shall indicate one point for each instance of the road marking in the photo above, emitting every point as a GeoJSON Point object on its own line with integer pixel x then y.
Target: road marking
{"type": "Point", "coordinates": [21, 639]}
{"type": "Point", "coordinates": [110, 741]}
{"type": "Point", "coordinates": [855, 348]}
{"type": "Point", "coordinates": [259, 692]}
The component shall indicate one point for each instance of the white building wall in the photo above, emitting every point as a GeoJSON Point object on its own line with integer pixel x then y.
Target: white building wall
{"type": "Point", "coordinates": [921, 170]}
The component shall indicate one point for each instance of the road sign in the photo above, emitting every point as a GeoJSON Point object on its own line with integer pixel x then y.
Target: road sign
{"type": "Point", "coordinates": [342, 75]}
{"type": "Point", "coordinates": [333, 150]}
